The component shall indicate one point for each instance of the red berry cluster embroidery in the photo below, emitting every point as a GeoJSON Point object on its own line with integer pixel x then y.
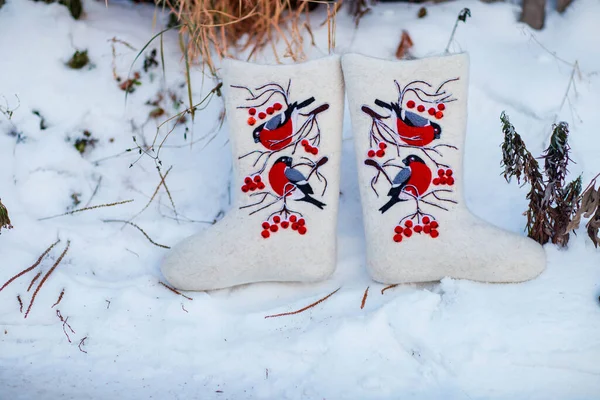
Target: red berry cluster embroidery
{"type": "Point", "coordinates": [379, 152]}
{"type": "Point", "coordinates": [431, 110]}
{"type": "Point", "coordinates": [427, 227]}
{"type": "Point", "coordinates": [444, 178]}
{"type": "Point", "coordinates": [308, 148]}
{"type": "Point", "coordinates": [295, 223]}
{"type": "Point", "coordinates": [250, 185]}
{"type": "Point", "coordinates": [270, 110]}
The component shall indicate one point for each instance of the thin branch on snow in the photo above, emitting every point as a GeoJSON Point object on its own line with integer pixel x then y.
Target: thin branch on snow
{"type": "Point", "coordinates": [65, 325]}
{"type": "Point", "coordinates": [26, 270]}
{"type": "Point", "coordinates": [388, 287]}
{"type": "Point", "coordinates": [81, 343]}
{"type": "Point", "coordinates": [86, 209]}
{"type": "Point", "coordinates": [364, 299]}
{"type": "Point", "coordinates": [138, 228]}
{"type": "Point", "coordinates": [45, 278]}
{"type": "Point", "coordinates": [60, 297]}
{"type": "Point", "coordinates": [174, 290]}
{"type": "Point", "coordinates": [305, 308]}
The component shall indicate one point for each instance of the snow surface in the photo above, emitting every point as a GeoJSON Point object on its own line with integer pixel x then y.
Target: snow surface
{"type": "Point", "coordinates": [452, 340]}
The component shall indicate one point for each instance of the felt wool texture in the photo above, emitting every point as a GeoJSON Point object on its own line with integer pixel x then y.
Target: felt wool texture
{"type": "Point", "coordinates": [409, 123]}
{"type": "Point", "coordinates": [285, 126]}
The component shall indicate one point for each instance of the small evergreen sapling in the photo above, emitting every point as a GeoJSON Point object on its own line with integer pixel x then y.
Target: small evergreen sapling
{"type": "Point", "coordinates": [553, 204]}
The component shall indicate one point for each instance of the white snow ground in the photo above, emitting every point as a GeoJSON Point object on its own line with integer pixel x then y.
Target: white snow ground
{"type": "Point", "coordinates": [451, 340]}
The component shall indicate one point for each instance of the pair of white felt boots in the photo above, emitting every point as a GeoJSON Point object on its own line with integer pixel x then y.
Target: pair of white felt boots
{"type": "Point", "coordinates": [409, 120]}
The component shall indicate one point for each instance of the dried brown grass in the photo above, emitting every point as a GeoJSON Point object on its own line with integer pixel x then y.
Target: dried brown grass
{"type": "Point", "coordinates": [218, 26]}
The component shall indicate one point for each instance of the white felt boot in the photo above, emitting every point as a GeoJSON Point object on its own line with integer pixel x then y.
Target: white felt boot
{"type": "Point", "coordinates": [285, 130]}
{"type": "Point", "coordinates": [409, 122]}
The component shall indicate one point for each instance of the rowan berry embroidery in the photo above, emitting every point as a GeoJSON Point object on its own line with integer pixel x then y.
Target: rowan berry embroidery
{"type": "Point", "coordinates": [281, 128]}
{"type": "Point", "coordinates": [413, 136]}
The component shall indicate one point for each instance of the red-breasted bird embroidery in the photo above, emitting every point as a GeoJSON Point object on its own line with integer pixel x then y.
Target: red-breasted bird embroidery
{"type": "Point", "coordinates": [278, 131]}
{"type": "Point", "coordinates": [415, 179]}
{"type": "Point", "coordinates": [287, 181]}
{"type": "Point", "coordinates": [412, 128]}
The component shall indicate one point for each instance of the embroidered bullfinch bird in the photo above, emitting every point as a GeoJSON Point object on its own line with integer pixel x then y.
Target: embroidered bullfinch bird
{"type": "Point", "coordinates": [278, 131]}
{"type": "Point", "coordinates": [414, 179]}
{"type": "Point", "coordinates": [289, 181]}
{"type": "Point", "coordinates": [412, 128]}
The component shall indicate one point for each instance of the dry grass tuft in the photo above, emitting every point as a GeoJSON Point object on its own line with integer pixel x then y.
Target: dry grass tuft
{"type": "Point", "coordinates": [217, 26]}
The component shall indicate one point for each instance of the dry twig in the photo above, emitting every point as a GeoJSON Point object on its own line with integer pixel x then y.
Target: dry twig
{"type": "Point", "coordinates": [45, 278]}
{"type": "Point", "coordinates": [26, 270]}
{"type": "Point", "coordinates": [305, 308]}
{"type": "Point", "coordinates": [65, 325]}
{"type": "Point", "coordinates": [364, 299]}
{"type": "Point", "coordinates": [81, 343]}
{"type": "Point", "coordinates": [62, 293]}
{"type": "Point", "coordinates": [175, 290]}
{"type": "Point", "coordinates": [35, 278]}
{"type": "Point", "coordinates": [94, 193]}
{"type": "Point", "coordinates": [388, 287]}
{"type": "Point", "coordinates": [86, 209]}
{"type": "Point", "coordinates": [140, 229]}
{"type": "Point", "coordinates": [161, 183]}
{"type": "Point", "coordinates": [162, 179]}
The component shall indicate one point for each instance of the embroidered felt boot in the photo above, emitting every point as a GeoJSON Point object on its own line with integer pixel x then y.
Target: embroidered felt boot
{"type": "Point", "coordinates": [285, 127]}
{"type": "Point", "coordinates": [409, 128]}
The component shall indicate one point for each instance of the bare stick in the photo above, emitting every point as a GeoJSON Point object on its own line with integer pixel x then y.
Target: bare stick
{"type": "Point", "coordinates": [183, 308]}
{"type": "Point", "coordinates": [81, 343]}
{"type": "Point", "coordinates": [388, 287]}
{"type": "Point", "coordinates": [86, 209]}
{"type": "Point", "coordinates": [20, 304]}
{"type": "Point", "coordinates": [45, 278]}
{"type": "Point", "coordinates": [168, 192]}
{"type": "Point", "coordinates": [462, 16]}
{"type": "Point", "coordinates": [94, 193]}
{"type": "Point", "coordinates": [65, 325]}
{"type": "Point", "coordinates": [59, 298]}
{"type": "Point", "coordinates": [162, 181]}
{"type": "Point", "coordinates": [138, 228]}
{"type": "Point", "coordinates": [174, 290]}
{"type": "Point", "coordinates": [305, 308]}
{"type": "Point", "coordinates": [35, 264]}
{"type": "Point", "coordinates": [571, 82]}
{"type": "Point", "coordinates": [364, 299]}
